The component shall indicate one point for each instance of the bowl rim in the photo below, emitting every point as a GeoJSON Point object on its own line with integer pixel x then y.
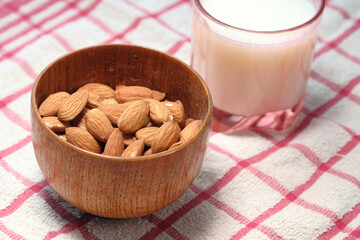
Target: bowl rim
{"type": "Point", "coordinates": [99, 156]}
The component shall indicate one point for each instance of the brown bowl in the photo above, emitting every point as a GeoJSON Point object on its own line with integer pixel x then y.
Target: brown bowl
{"type": "Point", "coordinates": [119, 187]}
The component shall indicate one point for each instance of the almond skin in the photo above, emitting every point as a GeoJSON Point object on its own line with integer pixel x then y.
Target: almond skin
{"type": "Point", "coordinates": [166, 136]}
{"type": "Point", "coordinates": [128, 139]}
{"type": "Point", "coordinates": [114, 111]}
{"type": "Point", "coordinates": [134, 117]}
{"type": "Point", "coordinates": [79, 121]}
{"type": "Point", "coordinates": [148, 152]}
{"type": "Point", "coordinates": [176, 144]}
{"type": "Point", "coordinates": [82, 139]}
{"type": "Point", "coordinates": [98, 125]}
{"type": "Point", "coordinates": [93, 100]}
{"type": "Point", "coordinates": [177, 111]}
{"type": "Point", "coordinates": [109, 101]}
{"type": "Point", "coordinates": [159, 113]}
{"type": "Point", "coordinates": [188, 120]}
{"type": "Point", "coordinates": [102, 90]}
{"type": "Point", "coordinates": [157, 95]}
{"type": "Point", "coordinates": [131, 93]}
{"type": "Point", "coordinates": [190, 130]}
{"type": "Point", "coordinates": [115, 144]}
{"type": "Point", "coordinates": [55, 124]}
{"type": "Point", "coordinates": [50, 106]}
{"type": "Point", "coordinates": [147, 134]}
{"type": "Point", "coordinates": [73, 105]}
{"type": "Point", "coordinates": [135, 149]}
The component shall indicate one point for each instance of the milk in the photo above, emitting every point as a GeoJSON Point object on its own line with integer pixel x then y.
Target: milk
{"type": "Point", "coordinates": [258, 71]}
{"type": "Point", "coordinates": [261, 15]}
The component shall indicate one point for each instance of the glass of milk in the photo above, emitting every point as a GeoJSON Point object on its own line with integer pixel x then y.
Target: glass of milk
{"type": "Point", "coordinates": [255, 56]}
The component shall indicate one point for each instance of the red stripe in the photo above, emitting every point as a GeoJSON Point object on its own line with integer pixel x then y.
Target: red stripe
{"type": "Point", "coordinates": [166, 25]}
{"type": "Point", "coordinates": [344, 92]}
{"type": "Point", "coordinates": [345, 176]}
{"type": "Point", "coordinates": [298, 191]}
{"type": "Point", "coordinates": [127, 30]}
{"type": "Point", "coordinates": [7, 100]}
{"type": "Point", "coordinates": [333, 86]}
{"type": "Point", "coordinates": [338, 40]}
{"type": "Point", "coordinates": [138, 20]}
{"type": "Point", "coordinates": [9, 54]}
{"type": "Point", "coordinates": [342, 11]}
{"type": "Point", "coordinates": [341, 224]}
{"type": "Point", "coordinates": [308, 153]}
{"type": "Point", "coordinates": [24, 17]}
{"type": "Point", "coordinates": [63, 42]}
{"type": "Point", "coordinates": [21, 198]}
{"type": "Point", "coordinates": [6, 152]}
{"type": "Point", "coordinates": [172, 232]}
{"type": "Point", "coordinates": [235, 215]}
{"type": "Point", "coordinates": [77, 223]}
{"type": "Point", "coordinates": [355, 233]}
{"type": "Point", "coordinates": [10, 233]}
{"type": "Point", "coordinates": [25, 66]}
{"type": "Point", "coordinates": [7, 8]}
{"type": "Point", "coordinates": [176, 47]}
{"type": "Point", "coordinates": [16, 119]}
{"type": "Point", "coordinates": [64, 213]}
{"type": "Point", "coordinates": [274, 184]}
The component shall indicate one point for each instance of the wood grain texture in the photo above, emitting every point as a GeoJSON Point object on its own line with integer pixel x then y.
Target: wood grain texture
{"type": "Point", "coordinates": [118, 187]}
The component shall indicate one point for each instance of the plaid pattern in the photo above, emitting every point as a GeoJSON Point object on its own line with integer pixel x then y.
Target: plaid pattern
{"type": "Point", "coordinates": [304, 184]}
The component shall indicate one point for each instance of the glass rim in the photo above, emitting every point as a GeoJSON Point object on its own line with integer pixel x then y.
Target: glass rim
{"type": "Point", "coordinates": [308, 22]}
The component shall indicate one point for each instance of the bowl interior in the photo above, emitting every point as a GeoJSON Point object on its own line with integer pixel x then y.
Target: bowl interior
{"type": "Point", "coordinates": [128, 65]}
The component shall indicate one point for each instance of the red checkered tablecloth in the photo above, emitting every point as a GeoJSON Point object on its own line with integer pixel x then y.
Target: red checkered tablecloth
{"type": "Point", "coordinates": [304, 184]}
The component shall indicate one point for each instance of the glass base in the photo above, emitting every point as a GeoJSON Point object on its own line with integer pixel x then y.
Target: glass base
{"type": "Point", "coordinates": [278, 121]}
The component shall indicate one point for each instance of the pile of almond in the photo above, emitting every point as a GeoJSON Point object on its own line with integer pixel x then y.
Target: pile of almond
{"type": "Point", "coordinates": [129, 121]}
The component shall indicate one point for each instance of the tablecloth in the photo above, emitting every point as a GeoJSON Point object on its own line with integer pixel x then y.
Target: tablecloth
{"type": "Point", "coordinates": [302, 184]}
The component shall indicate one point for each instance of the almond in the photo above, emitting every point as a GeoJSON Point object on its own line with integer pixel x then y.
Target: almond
{"type": "Point", "coordinates": [166, 136]}
{"type": "Point", "coordinates": [50, 106]}
{"type": "Point", "coordinates": [115, 144]}
{"type": "Point", "coordinates": [131, 93]}
{"type": "Point", "coordinates": [109, 101]}
{"type": "Point", "coordinates": [55, 124]}
{"type": "Point", "coordinates": [135, 149]}
{"type": "Point", "coordinates": [148, 152]}
{"type": "Point", "coordinates": [62, 137]}
{"type": "Point", "coordinates": [73, 105]}
{"type": "Point", "coordinates": [120, 86]}
{"type": "Point", "coordinates": [79, 121]}
{"type": "Point", "coordinates": [159, 113]}
{"type": "Point", "coordinates": [188, 120]}
{"type": "Point", "coordinates": [128, 139]}
{"type": "Point", "coordinates": [114, 111]}
{"type": "Point", "coordinates": [102, 90]}
{"type": "Point", "coordinates": [177, 111]}
{"type": "Point", "coordinates": [147, 134]}
{"type": "Point", "coordinates": [147, 123]}
{"type": "Point", "coordinates": [158, 95]}
{"type": "Point", "coordinates": [134, 117]}
{"type": "Point", "coordinates": [98, 125]}
{"type": "Point", "coordinates": [82, 139]}
{"type": "Point", "coordinates": [93, 100]}
{"type": "Point", "coordinates": [190, 130]}
{"type": "Point", "coordinates": [175, 145]}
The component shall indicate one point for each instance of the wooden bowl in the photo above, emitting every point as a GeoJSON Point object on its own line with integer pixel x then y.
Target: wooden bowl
{"type": "Point", "coordinates": [117, 187]}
